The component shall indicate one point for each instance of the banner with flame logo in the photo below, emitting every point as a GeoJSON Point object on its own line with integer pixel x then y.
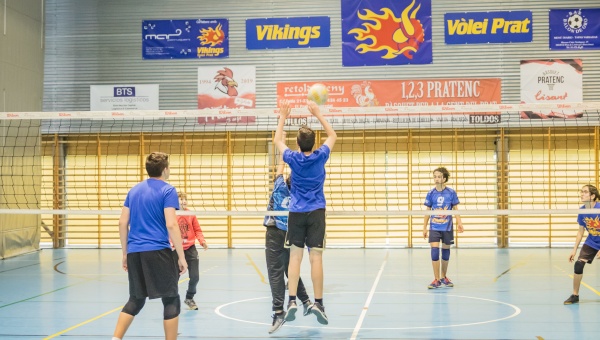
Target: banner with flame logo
{"type": "Point", "coordinates": [389, 32]}
{"type": "Point", "coordinates": [185, 39]}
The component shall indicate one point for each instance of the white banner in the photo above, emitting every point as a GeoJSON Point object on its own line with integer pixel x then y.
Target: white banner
{"type": "Point", "coordinates": [231, 87]}
{"type": "Point", "coordinates": [123, 97]}
{"type": "Point", "coordinates": [551, 81]}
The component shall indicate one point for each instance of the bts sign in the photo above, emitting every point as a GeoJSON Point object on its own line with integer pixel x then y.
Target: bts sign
{"type": "Point", "coordinates": [123, 97]}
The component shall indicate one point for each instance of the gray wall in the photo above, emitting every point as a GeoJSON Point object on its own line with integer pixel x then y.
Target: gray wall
{"type": "Point", "coordinates": [99, 42]}
{"type": "Point", "coordinates": [21, 80]}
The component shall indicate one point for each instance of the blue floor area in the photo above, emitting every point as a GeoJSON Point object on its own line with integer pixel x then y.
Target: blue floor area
{"type": "Point", "coordinates": [369, 294]}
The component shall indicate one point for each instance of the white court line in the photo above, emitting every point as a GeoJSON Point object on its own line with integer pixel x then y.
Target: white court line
{"type": "Point", "coordinates": [369, 298]}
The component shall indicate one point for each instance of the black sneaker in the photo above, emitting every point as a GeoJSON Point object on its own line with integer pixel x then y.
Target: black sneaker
{"type": "Point", "coordinates": [278, 321]}
{"type": "Point", "coordinates": [319, 312]}
{"type": "Point", "coordinates": [572, 299]}
{"type": "Point", "coordinates": [292, 308]}
{"type": "Point", "coordinates": [307, 306]}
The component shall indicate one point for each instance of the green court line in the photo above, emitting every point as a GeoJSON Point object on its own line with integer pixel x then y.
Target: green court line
{"type": "Point", "coordinates": [33, 297]}
{"type": "Point", "coordinates": [262, 277]}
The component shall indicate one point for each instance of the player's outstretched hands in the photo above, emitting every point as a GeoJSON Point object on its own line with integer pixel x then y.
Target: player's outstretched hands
{"type": "Point", "coordinates": [313, 108]}
{"type": "Point", "coordinates": [285, 110]}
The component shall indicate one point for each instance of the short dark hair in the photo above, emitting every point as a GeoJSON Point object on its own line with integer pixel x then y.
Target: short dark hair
{"type": "Point", "coordinates": [156, 163]}
{"type": "Point", "coordinates": [593, 191]}
{"type": "Point", "coordinates": [444, 173]}
{"type": "Point", "coordinates": [306, 139]}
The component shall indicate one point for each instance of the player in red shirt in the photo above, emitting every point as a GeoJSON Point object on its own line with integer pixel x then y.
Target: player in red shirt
{"type": "Point", "coordinates": [190, 231]}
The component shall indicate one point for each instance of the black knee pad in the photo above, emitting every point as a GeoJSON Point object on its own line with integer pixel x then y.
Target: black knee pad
{"type": "Point", "coordinates": [134, 306]}
{"type": "Point", "coordinates": [579, 267]}
{"type": "Point", "coordinates": [172, 307]}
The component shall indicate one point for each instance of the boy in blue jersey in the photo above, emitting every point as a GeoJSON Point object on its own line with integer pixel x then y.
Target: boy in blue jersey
{"type": "Point", "coordinates": [306, 221]}
{"type": "Point", "coordinates": [147, 222]}
{"type": "Point", "coordinates": [441, 198]}
{"type": "Point", "coordinates": [590, 222]}
{"type": "Point", "coordinates": [278, 257]}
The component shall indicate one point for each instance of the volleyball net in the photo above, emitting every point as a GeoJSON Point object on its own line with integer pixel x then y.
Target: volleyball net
{"type": "Point", "coordinates": [517, 169]}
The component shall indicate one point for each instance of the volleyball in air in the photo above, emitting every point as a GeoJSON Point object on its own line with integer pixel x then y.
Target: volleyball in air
{"type": "Point", "coordinates": [318, 93]}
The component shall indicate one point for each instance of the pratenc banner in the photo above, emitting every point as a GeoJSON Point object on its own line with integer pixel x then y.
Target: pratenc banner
{"type": "Point", "coordinates": [401, 93]}
{"type": "Point", "coordinates": [551, 81]}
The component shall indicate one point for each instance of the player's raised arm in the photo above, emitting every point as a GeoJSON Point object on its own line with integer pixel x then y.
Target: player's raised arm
{"type": "Point", "coordinates": [280, 162]}
{"type": "Point", "coordinates": [331, 135]}
{"type": "Point", "coordinates": [278, 140]}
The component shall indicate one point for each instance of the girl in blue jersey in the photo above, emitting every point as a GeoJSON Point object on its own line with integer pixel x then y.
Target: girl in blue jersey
{"type": "Point", "coordinates": [441, 226]}
{"type": "Point", "coordinates": [590, 222]}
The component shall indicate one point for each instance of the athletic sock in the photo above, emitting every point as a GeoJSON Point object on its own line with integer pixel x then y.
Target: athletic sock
{"type": "Point", "coordinates": [320, 301]}
{"type": "Point", "coordinates": [292, 297]}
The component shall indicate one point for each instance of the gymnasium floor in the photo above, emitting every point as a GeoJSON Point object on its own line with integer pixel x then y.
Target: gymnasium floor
{"type": "Point", "coordinates": [369, 294]}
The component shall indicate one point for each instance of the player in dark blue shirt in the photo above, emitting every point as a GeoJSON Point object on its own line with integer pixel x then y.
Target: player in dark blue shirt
{"type": "Point", "coordinates": [441, 198]}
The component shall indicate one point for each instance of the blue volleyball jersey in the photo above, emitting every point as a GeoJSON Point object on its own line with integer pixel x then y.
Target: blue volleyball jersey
{"type": "Point", "coordinates": [591, 222]}
{"type": "Point", "coordinates": [441, 200]}
{"type": "Point", "coordinates": [279, 201]}
{"type": "Point", "coordinates": [308, 178]}
{"type": "Point", "coordinates": [147, 223]}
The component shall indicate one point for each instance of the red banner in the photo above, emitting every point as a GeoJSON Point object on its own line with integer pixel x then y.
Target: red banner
{"type": "Point", "coordinates": [390, 93]}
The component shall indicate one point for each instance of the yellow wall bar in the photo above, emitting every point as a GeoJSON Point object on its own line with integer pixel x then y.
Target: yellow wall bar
{"type": "Point", "coordinates": [229, 188]}
{"type": "Point", "coordinates": [364, 177]}
{"type": "Point", "coordinates": [410, 185]}
{"type": "Point", "coordinates": [99, 186]}
{"type": "Point", "coordinates": [549, 166]}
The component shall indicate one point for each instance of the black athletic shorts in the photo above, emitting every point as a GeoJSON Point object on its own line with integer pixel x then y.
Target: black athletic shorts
{"type": "Point", "coordinates": [587, 254]}
{"type": "Point", "coordinates": [153, 274]}
{"type": "Point", "coordinates": [447, 237]}
{"type": "Point", "coordinates": [306, 228]}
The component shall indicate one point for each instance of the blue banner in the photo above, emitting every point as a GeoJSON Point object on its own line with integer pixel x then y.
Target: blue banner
{"type": "Point", "coordinates": [488, 27]}
{"type": "Point", "coordinates": [574, 29]}
{"type": "Point", "coordinates": [386, 32]}
{"type": "Point", "coordinates": [185, 39]}
{"type": "Point", "coordinates": [298, 32]}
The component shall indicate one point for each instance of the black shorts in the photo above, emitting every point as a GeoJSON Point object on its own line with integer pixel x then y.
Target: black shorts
{"type": "Point", "coordinates": [306, 228]}
{"type": "Point", "coordinates": [447, 237]}
{"type": "Point", "coordinates": [153, 274]}
{"type": "Point", "coordinates": [587, 254]}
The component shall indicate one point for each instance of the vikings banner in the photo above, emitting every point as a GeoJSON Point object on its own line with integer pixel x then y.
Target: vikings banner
{"type": "Point", "coordinates": [299, 32]}
{"type": "Point", "coordinates": [185, 39]}
{"type": "Point", "coordinates": [551, 81]}
{"type": "Point", "coordinates": [386, 32]}
{"type": "Point", "coordinates": [574, 29]}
